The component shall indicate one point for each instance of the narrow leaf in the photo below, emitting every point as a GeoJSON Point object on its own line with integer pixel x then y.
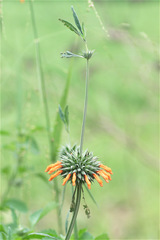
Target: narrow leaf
{"type": "Point", "coordinates": [76, 20]}
{"type": "Point", "coordinates": [36, 216]}
{"type": "Point", "coordinates": [66, 222]}
{"type": "Point", "coordinates": [61, 114]}
{"type": "Point", "coordinates": [69, 54]}
{"type": "Point", "coordinates": [16, 205]}
{"type": "Point", "coordinates": [70, 26]}
{"type": "Point", "coordinates": [38, 236]}
{"type": "Point", "coordinates": [91, 196]}
{"type": "Point", "coordinates": [5, 133]}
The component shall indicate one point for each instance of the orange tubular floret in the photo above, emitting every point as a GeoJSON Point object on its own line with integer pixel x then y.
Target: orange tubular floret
{"type": "Point", "coordinates": [107, 169]}
{"type": "Point", "coordinates": [66, 179]}
{"type": "Point", "coordinates": [54, 168]}
{"type": "Point", "coordinates": [87, 181]}
{"type": "Point", "coordinates": [103, 175]}
{"type": "Point", "coordinates": [98, 179]}
{"type": "Point", "coordinates": [55, 175]}
{"type": "Point", "coordinates": [74, 179]}
{"type": "Point", "coordinates": [52, 165]}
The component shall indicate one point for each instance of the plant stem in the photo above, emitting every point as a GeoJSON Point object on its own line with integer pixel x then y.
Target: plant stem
{"type": "Point", "coordinates": [85, 107]}
{"type": "Point", "coordinates": [44, 96]}
{"type": "Point", "coordinates": [77, 204]}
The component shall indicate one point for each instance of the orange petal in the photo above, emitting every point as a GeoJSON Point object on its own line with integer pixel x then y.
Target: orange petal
{"type": "Point", "coordinates": [87, 181]}
{"type": "Point", "coordinates": [66, 179]}
{"type": "Point", "coordinates": [98, 179]}
{"type": "Point", "coordinates": [54, 168]}
{"type": "Point", "coordinates": [52, 165]}
{"type": "Point", "coordinates": [55, 175]}
{"type": "Point", "coordinates": [22, 1]}
{"type": "Point", "coordinates": [107, 169]}
{"type": "Point", "coordinates": [103, 175]}
{"type": "Point", "coordinates": [74, 179]}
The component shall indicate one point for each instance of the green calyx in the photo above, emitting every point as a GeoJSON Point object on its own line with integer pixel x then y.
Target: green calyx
{"type": "Point", "coordinates": [73, 162]}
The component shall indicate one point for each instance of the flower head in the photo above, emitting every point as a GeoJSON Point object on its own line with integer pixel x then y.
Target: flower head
{"type": "Point", "coordinates": [79, 169]}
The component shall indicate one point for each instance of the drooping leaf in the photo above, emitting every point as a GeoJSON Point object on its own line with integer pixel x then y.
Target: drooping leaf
{"type": "Point", "coordinates": [70, 26]}
{"type": "Point", "coordinates": [16, 205]}
{"type": "Point", "coordinates": [76, 20]}
{"type": "Point", "coordinates": [38, 236]}
{"type": "Point", "coordinates": [58, 123]}
{"type": "Point", "coordinates": [14, 218]}
{"type": "Point", "coordinates": [38, 215]}
{"type": "Point", "coordinates": [102, 237]}
{"type": "Point", "coordinates": [91, 196]}
{"type": "Point", "coordinates": [52, 233]}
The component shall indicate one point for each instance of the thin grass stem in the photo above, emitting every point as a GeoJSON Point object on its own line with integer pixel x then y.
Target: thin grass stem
{"type": "Point", "coordinates": [44, 97]}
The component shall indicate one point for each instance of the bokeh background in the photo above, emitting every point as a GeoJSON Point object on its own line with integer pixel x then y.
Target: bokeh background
{"type": "Point", "coordinates": [122, 117]}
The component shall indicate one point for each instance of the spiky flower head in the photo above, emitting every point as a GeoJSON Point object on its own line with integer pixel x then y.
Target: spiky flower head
{"type": "Point", "coordinates": [78, 168]}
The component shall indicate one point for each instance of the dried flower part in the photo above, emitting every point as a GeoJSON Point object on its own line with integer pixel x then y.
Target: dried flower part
{"type": "Point", "coordinates": [77, 168]}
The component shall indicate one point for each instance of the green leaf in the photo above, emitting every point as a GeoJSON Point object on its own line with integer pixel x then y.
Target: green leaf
{"type": "Point", "coordinates": [69, 54]}
{"type": "Point", "coordinates": [81, 231]}
{"type": "Point", "coordinates": [42, 177]}
{"type": "Point", "coordinates": [66, 222]}
{"type": "Point", "coordinates": [66, 114]}
{"type": "Point", "coordinates": [38, 236]}
{"type": "Point", "coordinates": [86, 236]}
{"type": "Point", "coordinates": [38, 215]}
{"type": "Point", "coordinates": [70, 26]}
{"type": "Point", "coordinates": [16, 205]}
{"type": "Point", "coordinates": [52, 233]}
{"type": "Point", "coordinates": [61, 114]}
{"type": "Point", "coordinates": [102, 237]}
{"type": "Point", "coordinates": [14, 217]}
{"type": "Point", "coordinates": [58, 123]}
{"type": "Point", "coordinates": [76, 20]}
{"type": "Point", "coordinates": [91, 196]}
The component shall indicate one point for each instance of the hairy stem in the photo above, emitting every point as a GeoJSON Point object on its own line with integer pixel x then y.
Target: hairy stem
{"type": "Point", "coordinates": [44, 96]}
{"type": "Point", "coordinates": [85, 107]}
{"type": "Point", "coordinates": [77, 204]}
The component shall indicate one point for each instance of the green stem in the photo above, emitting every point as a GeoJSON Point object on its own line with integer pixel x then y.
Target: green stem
{"type": "Point", "coordinates": [77, 204]}
{"type": "Point", "coordinates": [85, 107]}
{"type": "Point", "coordinates": [44, 96]}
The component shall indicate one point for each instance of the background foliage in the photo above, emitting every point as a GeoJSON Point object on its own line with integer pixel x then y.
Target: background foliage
{"type": "Point", "coordinates": [122, 118]}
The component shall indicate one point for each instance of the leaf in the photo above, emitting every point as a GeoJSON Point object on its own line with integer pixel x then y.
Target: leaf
{"type": "Point", "coordinates": [66, 222]}
{"type": "Point", "coordinates": [91, 196]}
{"type": "Point", "coordinates": [16, 205]}
{"type": "Point", "coordinates": [38, 215]}
{"type": "Point", "coordinates": [58, 123]}
{"type": "Point", "coordinates": [38, 236]}
{"type": "Point", "coordinates": [69, 54]}
{"type": "Point", "coordinates": [52, 233]}
{"type": "Point", "coordinates": [70, 26]}
{"type": "Point", "coordinates": [61, 114]}
{"type": "Point", "coordinates": [102, 237]}
{"type": "Point", "coordinates": [76, 20]}
{"type": "Point", "coordinates": [42, 177]}
{"type": "Point", "coordinates": [86, 236]}
{"type": "Point", "coordinates": [14, 217]}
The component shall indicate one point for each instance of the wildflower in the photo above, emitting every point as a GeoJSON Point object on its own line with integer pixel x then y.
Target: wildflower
{"type": "Point", "coordinates": [79, 169]}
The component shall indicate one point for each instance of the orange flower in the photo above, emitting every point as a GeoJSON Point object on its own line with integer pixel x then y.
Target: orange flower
{"type": "Point", "coordinates": [76, 170]}
{"type": "Point", "coordinates": [22, 1]}
{"type": "Point", "coordinates": [74, 179]}
{"type": "Point", "coordinates": [87, 181]}
{"type": "Point", "coordinates": [107, 169]}
{"type": "Point", "coordinates": [55, 174]}
{"type": "Point", "coordinates": [98, 179]}
{"type": "Point", "coordinates": [66, 179]}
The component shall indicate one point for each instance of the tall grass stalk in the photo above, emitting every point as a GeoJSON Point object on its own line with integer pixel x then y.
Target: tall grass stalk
{"type": "Point", "coordinates": [44, 96]}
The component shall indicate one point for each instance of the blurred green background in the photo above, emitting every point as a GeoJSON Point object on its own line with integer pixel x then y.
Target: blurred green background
{"type": "Point", "coordinates": [122, 117]}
